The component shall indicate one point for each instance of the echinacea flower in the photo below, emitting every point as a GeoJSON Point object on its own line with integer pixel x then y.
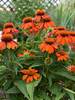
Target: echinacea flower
{"type": "Point", "coordinates": [10, 45]}
{"type": "Point", "coordinates": [29, 75]}
{"type": "Point", "coordinates": [9, 28]}
{"type": "Point", "coordinates": [47, 21]}
{"type": "Point", "coordinates": [7, 37]}
{"type": "Point", "coordinates": [34, 30]}
{"type": "Point", "coordinates": [71, 68]}
{"type": "Point", "coordinates": [27, 23]}
{"type": "Point", "coordinates": [62, 56]}
{"type": "Point", "coordinates": [9, 25]}
{"type": "Point", "coordinates": [48, 45]}
{"type": "Point", "coordinates": [12, 31]}
{"type": "Point", "coordinates": [25, 52]}
{"type": "Point", "coordinates": [44, 21]}
{"type": "Point", "coordinates": [64, 39]}
{"type": "Point", "coordinates": [7, 42]}
{"type": "Point", "coordinates": [38, 15]}
{"type": "Point", "coordinates": [40, 12]}
{"type": "Point", "coordinates": [64, 32]}
{"type": "Point", "coordinates": [59, 28]}
{"type": "Point", "coordinates": [27, 19]}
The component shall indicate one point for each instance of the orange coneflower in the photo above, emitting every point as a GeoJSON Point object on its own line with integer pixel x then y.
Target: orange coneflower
{"type": "Point", "coordinates": [62, 40]}
{"type": "Point", "coordinates": [60, 28]}
{"type": "Point", "coordinates": [12, 45]}
{"type": "Point", "coordinates": [63, 32]}
{"type": "Point", "coordinates": [9, 25]}
{"type": "Point", "coordinates": [7, 37]}
{"type": "Point", "coordinates": [27, 19]}
{"type": "Point", "coordinates": [9, 45]}
{"type": "Point", "coordinates": [9, 28]}
{"type": "Point", "coordinates": [26, 52]}
{"type": "Point", "coordinates": [48, 45]}
{"type": "Point", "coordinates": [39, 14]}
{"type": "Point", "coordinates": [27, 23]}
{"type": "Point", "coordinates": [47, 21]}
{"type": "Point", "coordinates": [62, 55]}
{"type": "Point", "coordinates": [64, 36]}
{"type": "Point", "coordinates": [13, 31]}
{"type": "Point", "coordinates": [41, 20]}
{"type": "Point", "coordinates": [71, 68]}
{"type": "Point", "coordinates": [30, 74]}
{"type": "Point", "coordinates": [7, 42]}
{"type": "Point", "coordinates": [6, 30]}
{"type": "Point", "coordinates": [34, 29]}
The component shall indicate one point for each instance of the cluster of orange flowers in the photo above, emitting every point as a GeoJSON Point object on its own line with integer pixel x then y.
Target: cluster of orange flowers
{"type": "Point", "coordinates": [30, 74]}
{"type": "Point", "coordinates": [58, 36]}
{"type": "Point", "coordinates": [41, 20]}
{"type": "Point", "coordinates": [50, 45]}
{"type": "Point", "coordinates": [7, 38]}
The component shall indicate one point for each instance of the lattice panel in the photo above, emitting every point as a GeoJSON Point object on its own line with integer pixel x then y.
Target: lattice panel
{"type": "Point", "coordinates": [6, 5]}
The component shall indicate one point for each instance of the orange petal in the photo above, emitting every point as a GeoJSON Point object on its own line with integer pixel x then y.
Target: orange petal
{"type": "Point", "coordinates": [29, 79]}
{"type": "Point", "coordinates": [36, 76]}
{"type": "Point", "coordinates": [24, 77]}
{"type": "Point", "coordinates": [2, 45]}
{"type": "Point", "coordinates": [12, 45]}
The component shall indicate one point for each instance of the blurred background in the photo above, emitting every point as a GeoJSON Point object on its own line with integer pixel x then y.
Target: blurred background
{"type": "Point", "coordinates": [61, 11]}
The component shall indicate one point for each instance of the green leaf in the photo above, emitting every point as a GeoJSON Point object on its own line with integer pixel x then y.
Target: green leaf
{"type": "Point", "coordinates": [2, 68]}
{"type": "Point", "coordinates": [68, 90]}
{"type": "Point", "coordinates": [50, 80]}
{"type": "Point", "coordinates": [38, 98]}
{"type": "Point", "coordinates": [54, 88]}
{"type": "Point", "coordinates": [72, 96]}
{"type": "Point", "coordinates": [30, 88]}
{"type": "Point", "coordinates": [12, 90]}
{"type": "Point", "coordinates": [27, 89]}
{"type": "Point", "coordinates": [35, 66]}
{"type": "Point", "coordinates": [58, 97]}
{"type": "Point", "coordinates": [22, 87]}
{"type": "Point", "coordinates": [63, 72]}
{"type": "Point", "coordinates": [42, 95]}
